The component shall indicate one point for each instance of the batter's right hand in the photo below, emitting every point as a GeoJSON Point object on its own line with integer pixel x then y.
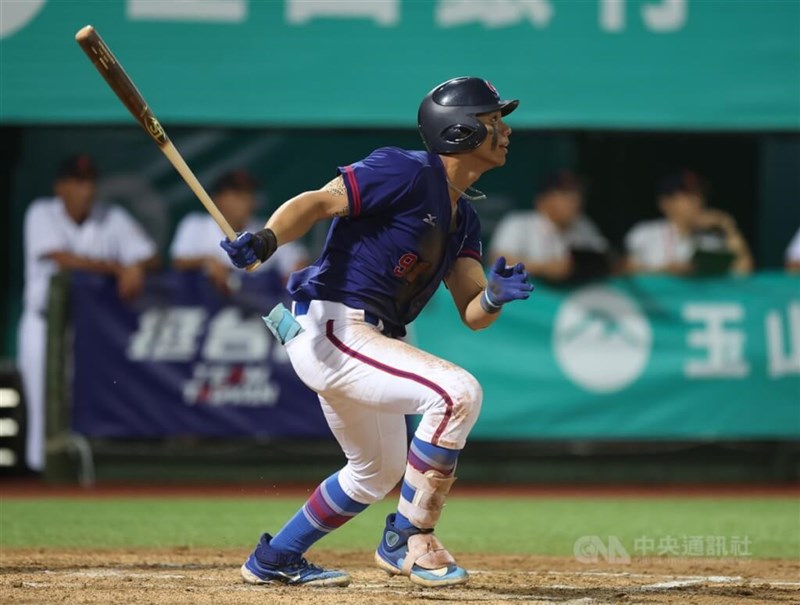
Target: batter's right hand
{"type": "Point", "coordinates": [250, 247]}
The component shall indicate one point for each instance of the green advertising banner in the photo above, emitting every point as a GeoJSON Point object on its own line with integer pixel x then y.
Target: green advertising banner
{"type": "Point", "coordinates": [650, 357]}
{"type": "Point", "coordinates": [679, 64]}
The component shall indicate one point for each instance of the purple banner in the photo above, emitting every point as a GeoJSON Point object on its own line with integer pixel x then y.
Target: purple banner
{"type": "Point", "coordinates": [184, 360]}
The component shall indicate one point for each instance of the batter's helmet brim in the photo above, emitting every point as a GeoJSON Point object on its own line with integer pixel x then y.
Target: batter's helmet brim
{"type": "Point", "coordinates": [504, 107]}
{"type": "Point", "coordinates": [509, 106]}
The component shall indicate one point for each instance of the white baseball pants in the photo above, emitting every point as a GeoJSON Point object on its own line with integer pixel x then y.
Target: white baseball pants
{"type": "Point", "coordinates": [367, 383]}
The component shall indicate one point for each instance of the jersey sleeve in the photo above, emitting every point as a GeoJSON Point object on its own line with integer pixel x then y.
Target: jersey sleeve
{"type": "Point", "coordinates": [134, 244]}
{"type": "Point", "coordinates": [379, 182]}
{"type": "Point", "coordinates": [472, 247]}
{"type": "Point", "coordinates": [41, 235]}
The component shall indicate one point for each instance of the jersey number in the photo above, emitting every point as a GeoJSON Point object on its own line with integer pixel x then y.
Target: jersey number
{"type": "Point", "coordinates": [409, 267]}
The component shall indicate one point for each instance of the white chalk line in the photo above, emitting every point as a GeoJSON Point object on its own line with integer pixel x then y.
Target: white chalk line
{"type": "Point", "coordinates": [115, 573]}
{"type": "Point", "coordinates": [609, 574]}
{"type": "Point", "coordinates": [668, 581]}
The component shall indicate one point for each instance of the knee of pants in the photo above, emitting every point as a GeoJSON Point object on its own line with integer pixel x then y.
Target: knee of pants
{"type": "Point", "coordinates": [466, 395]}
{"type": "Point", "coordinates": [372, 482]}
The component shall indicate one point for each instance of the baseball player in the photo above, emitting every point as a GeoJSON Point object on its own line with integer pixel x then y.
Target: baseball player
{"type": "Point", "coordinates": [668, 245]}
{"type": "Point", "coordinates": [195, 243]}
{"type": "Point", "coordinates": [555, 240]}
{"type": "Point", "coordinates": [402, 224]}
{"type": "Point", "coordinates": [70, 231]}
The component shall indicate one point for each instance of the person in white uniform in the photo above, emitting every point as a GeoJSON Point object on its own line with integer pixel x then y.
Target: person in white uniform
{"type": "Point", "coordinates": [196, 242]}
{"type": "Point", "coordinates": [70, 231]}
{"type": "Point", "coordinates": [551, 239]}
{"type": "Point", "coordinates": [793, 254]}
{"type": "Point", "coordinates": [670, 244]}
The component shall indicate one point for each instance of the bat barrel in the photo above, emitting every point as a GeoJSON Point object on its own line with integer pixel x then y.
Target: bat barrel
{"type": "Point", "coordinates": [114, 74]}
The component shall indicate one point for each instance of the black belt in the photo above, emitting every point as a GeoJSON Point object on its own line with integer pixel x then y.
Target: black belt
{"type": "Point", "coordinates": [301, 308]}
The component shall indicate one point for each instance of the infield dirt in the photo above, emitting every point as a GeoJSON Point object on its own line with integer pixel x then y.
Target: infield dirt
{"type": "Point", "coordinates": [192, 576]}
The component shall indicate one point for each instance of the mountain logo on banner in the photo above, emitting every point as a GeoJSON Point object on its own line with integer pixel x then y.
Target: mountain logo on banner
{"type": "Point", "coordinates": [601, 339]}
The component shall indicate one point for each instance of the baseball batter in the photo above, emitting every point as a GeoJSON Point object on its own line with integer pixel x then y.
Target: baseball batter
{"type": "Point", "coordinates": [402, 225]}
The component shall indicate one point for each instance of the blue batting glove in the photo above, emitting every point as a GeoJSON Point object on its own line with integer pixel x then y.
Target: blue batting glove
{"type": "Point", "coordinates": [505, 284]}
{"type": "Point", "coordinates": [251, 247]}
{"type": "Point", "coordinates": [241, 250]}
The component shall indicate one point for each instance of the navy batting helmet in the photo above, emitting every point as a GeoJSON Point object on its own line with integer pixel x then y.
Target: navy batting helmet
{"type": "Point", "coordinates": [446, 117]}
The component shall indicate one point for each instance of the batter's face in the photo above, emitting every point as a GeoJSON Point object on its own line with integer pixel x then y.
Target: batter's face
{"type": "Point", "coordinates": [236, 206]}
{"type": "Point", "coordinates": [494, 148]}
{"type": "Point", "coordinates": [78, 195]}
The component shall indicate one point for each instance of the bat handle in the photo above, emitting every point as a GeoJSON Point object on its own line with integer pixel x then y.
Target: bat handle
{"type": "Point", "coordinates": [253, 267]}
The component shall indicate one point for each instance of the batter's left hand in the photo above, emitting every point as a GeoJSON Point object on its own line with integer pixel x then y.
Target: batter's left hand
{"type": "Point", "coordinates": [506, 284]}
{"type": "Point", "coordinates": [241, 250]}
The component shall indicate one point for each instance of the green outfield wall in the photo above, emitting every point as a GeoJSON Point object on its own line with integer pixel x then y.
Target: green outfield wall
{"type": "Point", "coordinates": [688, 64]}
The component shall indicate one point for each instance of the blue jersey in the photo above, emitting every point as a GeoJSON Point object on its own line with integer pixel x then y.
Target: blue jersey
{"type": "Point", "coordinates": [399, 241]}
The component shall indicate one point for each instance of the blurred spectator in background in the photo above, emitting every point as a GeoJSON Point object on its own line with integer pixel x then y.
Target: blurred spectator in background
{"type": "Point", "coordinates": [793, 254]}
{"type": "Point", "coordinates": [196, 242]}
{"type": "Point", "coordinates": [691, 238]}
{"type": "Point", "coordinates": [555, 241]}
{"type": "Point", "coordinates": [70, 231]}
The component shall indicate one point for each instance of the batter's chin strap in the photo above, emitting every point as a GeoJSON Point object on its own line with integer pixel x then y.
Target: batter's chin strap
{"type": "Point", "coordinates": [431, 489]}
{"type": "Point", "coordinates": [475, 196]}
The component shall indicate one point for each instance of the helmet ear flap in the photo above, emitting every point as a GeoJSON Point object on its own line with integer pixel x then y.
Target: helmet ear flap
{"type": "Point", "coordinates": [456, 133]}
{"type": "Point", "coordinates": [463, 137]}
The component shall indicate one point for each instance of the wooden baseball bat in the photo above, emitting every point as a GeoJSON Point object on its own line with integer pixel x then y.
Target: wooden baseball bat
{"type": "Point", "coordinates": [119, 81]}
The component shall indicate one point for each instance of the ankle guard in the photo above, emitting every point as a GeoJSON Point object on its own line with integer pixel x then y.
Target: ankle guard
{"type": "Point", "coordinates": [429, 498]}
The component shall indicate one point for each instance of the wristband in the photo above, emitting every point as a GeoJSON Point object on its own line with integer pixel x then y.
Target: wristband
{"type": "Point", "coordinates": [487, 305]}
{"type": "Point", "coordinates": [268, 244]}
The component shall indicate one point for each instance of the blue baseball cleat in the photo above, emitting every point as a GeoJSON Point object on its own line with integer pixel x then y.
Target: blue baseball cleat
{"type": "Point", "coordinates": [419, 555]}
{"type": "Point", "coordinates": [266, 566]}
